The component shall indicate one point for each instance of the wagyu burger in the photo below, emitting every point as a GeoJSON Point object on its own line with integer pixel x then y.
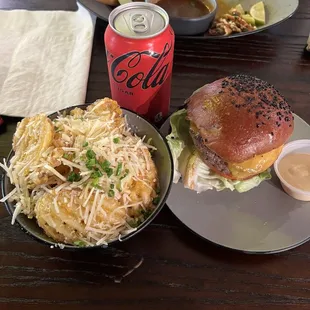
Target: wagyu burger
{"type": "Point", "coordinates": [230, 134]}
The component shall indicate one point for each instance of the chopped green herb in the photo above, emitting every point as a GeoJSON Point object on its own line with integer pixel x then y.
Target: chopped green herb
{"type": "Point", "coordinates": [146, 213]}
{"type": "Point", "coordinates": [105, 165]}
{"type": "Point", "coordinates": [135, 224]}
{"type": "Point", "coordinates": [66, 156]}
{"type": "Point", "coordinates": [119, 186]}
{"type": "Point", "coordinates": [85, 144]}
{"type": "Point", "coordinates": [79, 243]}
{"type": "Point", "coordinates": [96, 174]}
{"type": "Point", "coordinates": [111, 193]}
{"type": "Point", "coordinates": [95, 183]}
{"type": "Point", "coordinates": [57, 129]}
{"type": "Point", "coordinates": [156, 200]}
{"type": "Point", "coordinates": [74, 177]}
{"type": "Point", "coordinates": [157, 190]}
{"type": "Point", "coordinates": [112, 186]}
{"type": "Point", "coordinates": [91, 163]}
{"type": "Point", "coordinates": [116, 140]}
{"type": "Point", "coordinates": [90, 154]}
{"type": "Point", "coordinates": [109, 171]}
{"type": "Point", "coordinates": [119, 169]}
{"type": "Point", "coordinates": [97, 186]}
{"type": "Point", "coordinates": [125, 174]}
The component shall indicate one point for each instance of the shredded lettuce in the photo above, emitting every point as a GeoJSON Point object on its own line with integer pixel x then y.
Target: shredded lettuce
{"type": "Point", "coordinates": [179, 141]}
{"type": "Point", "coordinates": [195, 174]}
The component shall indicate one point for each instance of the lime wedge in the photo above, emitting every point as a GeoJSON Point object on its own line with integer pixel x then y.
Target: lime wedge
{"type": "Point", "coordinates": [124, 1]}
{"type": "Point", "coordinates": [240, 9]}
{"type": "Point", "coordinates": [257, 11]}
{"type": "Point", "coordinates": [249, 19]}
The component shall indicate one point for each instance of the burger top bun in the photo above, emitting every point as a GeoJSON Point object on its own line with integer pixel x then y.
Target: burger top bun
{"type": "Point", "coordinates": [239, 117]}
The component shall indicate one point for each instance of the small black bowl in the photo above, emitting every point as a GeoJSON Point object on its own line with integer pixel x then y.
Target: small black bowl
{"type": "Point", "coordinates": [184, 26]}
{"type": "Point", "coordinates": [188, 26]}
{"type": "Point", "coordinates": [163, 161]}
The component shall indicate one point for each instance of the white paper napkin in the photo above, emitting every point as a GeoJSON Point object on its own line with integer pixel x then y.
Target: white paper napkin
{"type": "Point", "coordinates": [44, 60]}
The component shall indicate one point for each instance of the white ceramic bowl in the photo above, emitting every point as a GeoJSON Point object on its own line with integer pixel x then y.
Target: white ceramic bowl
{"type": "Point", "coordinates": [297, 146]}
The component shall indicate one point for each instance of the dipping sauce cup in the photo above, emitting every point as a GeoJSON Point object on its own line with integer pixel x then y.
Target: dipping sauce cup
{"type": "Point", "coordinates": [296, 175]}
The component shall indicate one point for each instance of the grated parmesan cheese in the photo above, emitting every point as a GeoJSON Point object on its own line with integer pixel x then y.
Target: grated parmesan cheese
{"type": "Point", "coordinates": [98, 194]}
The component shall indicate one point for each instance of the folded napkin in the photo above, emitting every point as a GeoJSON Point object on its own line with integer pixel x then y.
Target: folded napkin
{"type": "Point", "coordinates": [44, 60]}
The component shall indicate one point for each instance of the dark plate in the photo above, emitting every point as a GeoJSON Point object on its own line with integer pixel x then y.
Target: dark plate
{"type": "Point", "coordinates": [163, 161]}
{"type": "Point", "coordinates": [263, 220]}
{"type": "Point", "coordinates": [277, 11]}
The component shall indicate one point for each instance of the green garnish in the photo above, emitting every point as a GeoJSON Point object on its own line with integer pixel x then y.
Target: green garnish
{"type": "Point", "coordinates": [74, 177]}
{"type": "Point", "coordinates": [105, 165]}
{"type": "Point", "coordinates": [85, 144]}
{"type": "Point", "coordinates": [106, 168]}
{"type": "Point", "coordinates": [66, 156]}
{"type": "Point", "coordinates": [116, 140]}
{"type": "Point", "coordinates": [125, 174]}
{"type": "Point", "coordinates": [96, 174]}
{"type": "Point", "coordinates": [119, 169]}
{"type": "Point", "coordinates": [135, 224]}
{"type": "Point", "coordinates": [112, 186]}
{"type": "Point", "coordinates": [111, 193]}
{"type": "Point", "coordinates": [91, 163]}
{"type": "Point", "coordinates": [57, 129]}
{"type": "Point", "coordinates": [146, 213]}
{"type": "Point", "coordinates": [157, 190]}
{"type": "Point", "coordinates": [79, 243]}
{"type": "Point", "coordinates": [95, 183]}
{"type": "Point", "coordinates": [156, 200]}
{"type": "Point", "coordinates": [109, 171]}
{"type": "Point", "coordinates": [90, 154]}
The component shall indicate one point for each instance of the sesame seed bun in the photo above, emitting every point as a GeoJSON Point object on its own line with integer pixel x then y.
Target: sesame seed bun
{"type": "Point", "coordinates": [235, 119]}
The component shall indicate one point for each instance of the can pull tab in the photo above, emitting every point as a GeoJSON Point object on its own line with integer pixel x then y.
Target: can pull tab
{"type": "Point", "coordinates": [139, 23]}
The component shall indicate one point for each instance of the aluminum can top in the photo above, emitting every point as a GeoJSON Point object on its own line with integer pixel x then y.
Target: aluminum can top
{"type": "Point", "coordinates": [139, 20]}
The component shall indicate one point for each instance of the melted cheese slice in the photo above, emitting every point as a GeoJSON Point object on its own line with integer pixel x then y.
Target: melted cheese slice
{"type": "Point", "coordinates": [254, 165]}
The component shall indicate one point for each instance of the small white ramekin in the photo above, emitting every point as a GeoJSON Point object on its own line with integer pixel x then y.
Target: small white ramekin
{"type": "Point", "coordinates": [297, 146]}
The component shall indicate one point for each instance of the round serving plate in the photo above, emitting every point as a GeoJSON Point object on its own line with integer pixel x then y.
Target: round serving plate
{"type": "Point", "coordinates": [263, 220]}
{"type": "Point", "coordinates": [277, 11]}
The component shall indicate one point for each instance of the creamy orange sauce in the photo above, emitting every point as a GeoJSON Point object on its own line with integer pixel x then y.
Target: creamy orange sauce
{"type": "Point", "coordinates": [294, 168]}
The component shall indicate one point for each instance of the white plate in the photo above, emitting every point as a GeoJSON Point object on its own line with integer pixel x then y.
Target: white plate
{"type": "Point", "coordinates": [264, 220]}
{"type": "Point", "coordinates": [277, 11]}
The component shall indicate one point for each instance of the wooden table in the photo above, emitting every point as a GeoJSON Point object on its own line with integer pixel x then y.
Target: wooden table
{"type": "Point", "coordinates": [179, 271]}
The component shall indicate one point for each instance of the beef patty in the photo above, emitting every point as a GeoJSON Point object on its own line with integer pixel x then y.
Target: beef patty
{"type": "Point", "coordinates": [210, 158]}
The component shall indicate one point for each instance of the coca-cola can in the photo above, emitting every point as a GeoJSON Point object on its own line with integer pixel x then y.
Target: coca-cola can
{"type": "Point", "coordinates": [139, 45]}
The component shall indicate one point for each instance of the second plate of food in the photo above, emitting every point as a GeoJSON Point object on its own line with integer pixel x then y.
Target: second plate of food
{"type": "Point", "coordinates": [254, 215]}
{"type": "Point", "coordinates": [252, 15]}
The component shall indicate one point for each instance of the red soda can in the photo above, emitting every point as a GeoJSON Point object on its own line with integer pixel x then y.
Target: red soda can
{"type": "Point", "coordinates": [139, 46]}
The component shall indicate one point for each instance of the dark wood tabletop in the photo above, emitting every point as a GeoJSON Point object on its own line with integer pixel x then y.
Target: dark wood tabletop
{"type": "Point", "coordinates": [175, 268]}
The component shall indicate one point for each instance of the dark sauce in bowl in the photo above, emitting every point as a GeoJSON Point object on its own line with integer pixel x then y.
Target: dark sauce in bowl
{"type": "Point", "coordinates": [185, 8]}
